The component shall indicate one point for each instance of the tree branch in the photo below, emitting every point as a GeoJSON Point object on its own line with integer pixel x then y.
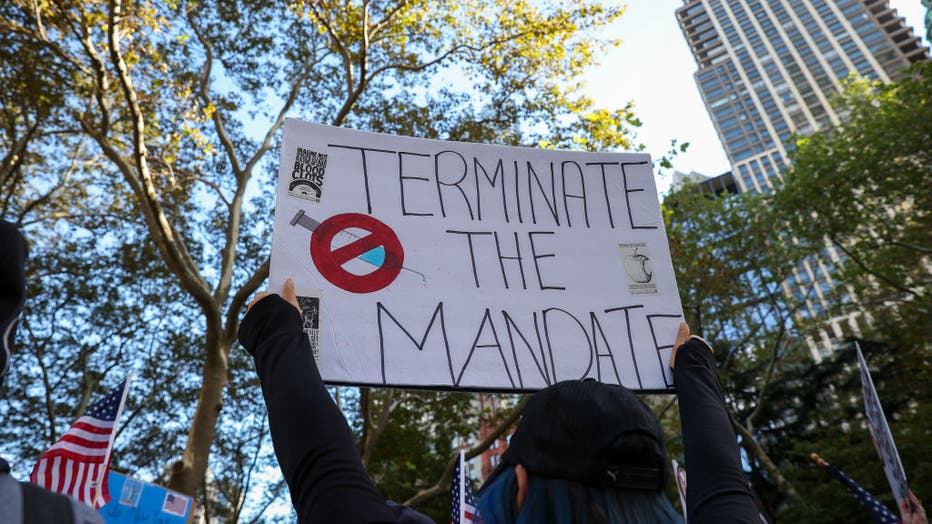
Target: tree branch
{"type": "Point", "coordinates": [372, 436]}
{"type": "Point", "coordinates": [869, 271]}
{"type": "Point", "coordinates": [245, 485]}
{"type": "Point", "coordinates": [762, 391]}
{"type": "Point", "coordinates": [45, 197]}
{"type": "Point", "coordinates": [443, 56]}
{"type": "Point", "coordinates": [442, 486]}
{"type": "Point", "coordinates": [755, 450]}
{"type": "Point", "coordinates": [340, 48]}
{"type": "Point", "coordinates": [169, 242]}
{"type": "Point", "coordinates": [204, 95]}
{"type": "Point", "coordinates": [239, 299]}
{"type": "Point", "coordinates": [389, 16]}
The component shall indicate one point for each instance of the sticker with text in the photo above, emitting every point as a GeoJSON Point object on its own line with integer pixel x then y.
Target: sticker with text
{"type": "Point", "coordinates": [638, 268]}
{"type": "Point", "coordinates": [307, 176]}
{"type": "Point", "coordinates": [310, 321]}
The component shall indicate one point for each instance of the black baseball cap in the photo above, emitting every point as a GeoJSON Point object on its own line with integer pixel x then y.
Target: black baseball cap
{"type": "Point", "coordinates": [595, 434]}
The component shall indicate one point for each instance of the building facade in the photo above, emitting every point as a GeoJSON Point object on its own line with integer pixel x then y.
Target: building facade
{"type": "Point", "coordinates": [490, 408]}
{"type": "Point", "coordinates": [768, 69]}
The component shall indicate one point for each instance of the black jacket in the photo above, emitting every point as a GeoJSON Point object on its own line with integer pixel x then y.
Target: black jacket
{"type": "Point", "coordinates": [320, 462]}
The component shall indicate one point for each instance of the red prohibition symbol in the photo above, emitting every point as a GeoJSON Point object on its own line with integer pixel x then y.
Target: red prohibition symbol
{"type": "Point", "coordinates": [330, 261]}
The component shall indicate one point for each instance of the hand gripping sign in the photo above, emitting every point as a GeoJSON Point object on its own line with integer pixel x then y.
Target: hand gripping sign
{"type": "Point", "coordinates": [880, 431]}
{"type": "Point", "coordinates": [446, 265]}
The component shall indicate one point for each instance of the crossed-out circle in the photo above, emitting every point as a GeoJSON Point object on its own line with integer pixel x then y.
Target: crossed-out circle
{"type": "Point", "coordinates": [330, 261]}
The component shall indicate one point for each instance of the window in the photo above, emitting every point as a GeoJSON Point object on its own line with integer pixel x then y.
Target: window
{"type": "Point", "coordinates": [733, 133]}
{"type": "Point", "coordinates": [741, 142]}
{"type": "Point", "coordinates": [741, 155]}
{"type": "Point", "coordinates": [873, 36]}
{"type": "Point", "coordinates": [694, 10]}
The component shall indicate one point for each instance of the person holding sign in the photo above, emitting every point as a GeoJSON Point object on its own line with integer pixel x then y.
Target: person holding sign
{"type": "Point", "coordinates": [591, 452]}
{"type": "Point", "coordinates": [313, 442]}
{"type": "Point", "coordinates": [583, 452]}
{"type": "Point", "coordinates": [912, 510]}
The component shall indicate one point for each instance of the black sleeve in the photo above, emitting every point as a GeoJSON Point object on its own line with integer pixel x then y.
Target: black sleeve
{"type": "Point", "coordinates": [717, 490]}
{"type": "Point", "coordinates": [314, 445]}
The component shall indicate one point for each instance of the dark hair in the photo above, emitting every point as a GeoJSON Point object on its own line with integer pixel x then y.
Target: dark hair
{"type": "Point", "coordinates": [556, 501]}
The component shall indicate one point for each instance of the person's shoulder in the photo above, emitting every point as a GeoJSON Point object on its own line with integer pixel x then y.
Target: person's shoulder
{"type": "Point", "coordinates": [84, 514]}
{"type": "Point", "coordinates": [12, 500]}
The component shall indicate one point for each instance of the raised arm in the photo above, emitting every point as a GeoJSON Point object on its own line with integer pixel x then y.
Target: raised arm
{"type": "Point", "coordinates": [717, 490]}
{"type": "Point", "coordinates": [314, 445]}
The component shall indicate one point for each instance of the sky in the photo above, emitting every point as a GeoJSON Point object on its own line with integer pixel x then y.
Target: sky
{"type": "Point", "coordinates": [654, 67]}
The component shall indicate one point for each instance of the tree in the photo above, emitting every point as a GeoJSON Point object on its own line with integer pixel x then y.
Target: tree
{"type": "Point", "coordinates": [731, 262]}
{"type": "Point", "coordinates": [180, 105]}
{"type": "Point", "coordinates": [818, 407]}
{"type": "Point", "coordinates": [730, 270]}
{"type": "Point", "coordinates": [877, 166]}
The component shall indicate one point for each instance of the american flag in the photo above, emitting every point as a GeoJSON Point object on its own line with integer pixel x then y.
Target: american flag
{"type": "Point", "coordinates": [77, 464]}
{"type": "Point", "coordinates": [880, 513]}
{"type": "Point", "coordinates": [462, 503]}
{"type": "Point", "coordinates": [175, 504]}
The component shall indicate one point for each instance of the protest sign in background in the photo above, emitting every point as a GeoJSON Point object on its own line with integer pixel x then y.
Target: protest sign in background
{"type": "Point", "coordinates": [880, 433]}
{"type": "Point", "coordinates": [438, 264]}
{"type": "Point", "coordinates": [133, 501]}
{"type": "Point", "coordinates": [679, 475]}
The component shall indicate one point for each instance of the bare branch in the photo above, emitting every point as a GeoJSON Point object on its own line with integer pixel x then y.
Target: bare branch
{"type": "Point", "coordinates": [443, 484]}
{"type": "Point", "coordinates": [340, 47]}
{"type": "Point", "coordinates": [879, 276]}
{"type": "Point", "coordinates": [250, 287]}
{"type": "Point", "coordinates": [389, 16]}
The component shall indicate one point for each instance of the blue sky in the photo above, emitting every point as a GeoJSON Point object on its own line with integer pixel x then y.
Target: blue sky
{"type": "Point", "coordinates": [653, 67]}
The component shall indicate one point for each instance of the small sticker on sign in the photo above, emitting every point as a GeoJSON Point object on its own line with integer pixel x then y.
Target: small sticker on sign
{"type": "Point", "coordinates": [131, 492]}
{"type": "Point", "coordinates": [639, 269]}
{"type": "Point", "coordinates": [307, 175]}
{"type": "Point", "coordinates": [310, 320]}
{"type": "Point", "coordinates": [175, 504]}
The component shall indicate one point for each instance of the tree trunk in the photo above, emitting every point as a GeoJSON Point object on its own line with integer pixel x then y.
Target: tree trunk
{"type": "Point", "coordinates": [442, 486]}
{"type": "Point", "coordinates": [754, 449]}
{"type": "Point", "coordinates": [188, 473]}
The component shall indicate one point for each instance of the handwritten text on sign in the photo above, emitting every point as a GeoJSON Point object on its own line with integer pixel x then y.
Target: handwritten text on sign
{"type": "Point", "coordinates": [452, 265]}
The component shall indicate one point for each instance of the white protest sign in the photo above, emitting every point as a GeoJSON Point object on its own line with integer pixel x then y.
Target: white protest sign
{"type": "Point", "coordinates": [679, 474]}
{"type": "Point", "coordinates": [880, 433]}
{"type": "Point", "coordinates": [451, 265]}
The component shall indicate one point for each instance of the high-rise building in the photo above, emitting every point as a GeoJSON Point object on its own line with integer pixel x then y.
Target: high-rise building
{"type": "Point", "coordinates": [768, 69]}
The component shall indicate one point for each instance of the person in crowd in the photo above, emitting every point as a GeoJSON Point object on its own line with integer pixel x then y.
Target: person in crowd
{"type": "Point", "coordinates": [591, 452]}
{"type": "Point", "coordinates": [583, 451]}
{"type": "Point", "coordinates": [912, 510]}
{"type": "Point", "coordinates": [22, 501]}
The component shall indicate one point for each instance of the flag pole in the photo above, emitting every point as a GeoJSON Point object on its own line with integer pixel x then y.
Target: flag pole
{"type": "Point", "coordinates": [462, 482]}
{"type": "Point", "coordinates": [818, 460]}
{"type": "Point", "coordinates": [104, 466]}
